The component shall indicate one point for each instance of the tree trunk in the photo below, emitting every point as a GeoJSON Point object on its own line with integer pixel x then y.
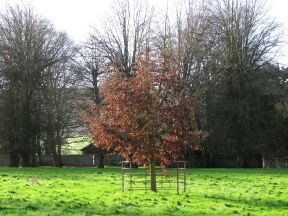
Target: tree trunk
{"type": "Point", "coordinates": [57, 160]}
{"type": "Point", "coordinates": [38, 150]}
{"type": "Point", "coordinates": [25, 159]}
{"type": "Point", "coordinates": [211, 160]}
{"type": "Point", "coordinates": [100, 159]}
{"type": "Point", "coordinates": [56, 151]}
{"type": "Point", "coordinates": [263, 161]}
{"type": "Point", "coordinates": [153, 176]}
{"type": "Point", "coordinates": [33, 152]}
{"type": "Point", "coordinates": [14, 160]}
{"type": "Point", "coordinates": [57, 156]}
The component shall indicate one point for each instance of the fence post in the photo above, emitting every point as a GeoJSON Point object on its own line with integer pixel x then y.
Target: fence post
{"type": "Point", "coordinates": [184, 176]}
{"type": "Point", "coordinates": [123, 180]}
{"type": "Point", "coordinates": [130, 175]}
{"type": "Point", "coordinates": [177, 174]}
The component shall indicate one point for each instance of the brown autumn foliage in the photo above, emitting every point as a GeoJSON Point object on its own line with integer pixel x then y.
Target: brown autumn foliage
{"type": "Point", "coordinates": [145, 116]}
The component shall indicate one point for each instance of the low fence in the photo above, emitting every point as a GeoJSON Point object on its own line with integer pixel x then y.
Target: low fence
{"type": "Point", "coordinates": [134, 178]}
{"type": "Point", "coordinates": [275, 161]}
{"type": "Point", "coordinates": [71, 160]}
{"type": "Point", "coordinates": [4, 160]}
{"type": "Point", "coordinates": [268, 161]}
{"type": "Point", "coordinates": [81, 160]}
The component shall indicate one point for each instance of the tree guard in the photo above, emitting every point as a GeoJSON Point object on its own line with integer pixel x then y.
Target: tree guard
{"type": "Point", "coordinates": [134, 178]}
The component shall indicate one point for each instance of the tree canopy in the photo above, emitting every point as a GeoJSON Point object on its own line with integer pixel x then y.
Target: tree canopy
{"type": "Point", "coordinates": [145, 117]}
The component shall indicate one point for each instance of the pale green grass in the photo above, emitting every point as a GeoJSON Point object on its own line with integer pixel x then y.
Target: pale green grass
{"type": "Point", "coordinates": [74, 145]}
{"type": "Point", "coordinates": [91, 191]}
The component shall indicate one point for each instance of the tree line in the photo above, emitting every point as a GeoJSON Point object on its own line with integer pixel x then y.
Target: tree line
{"type": "Point", "coordinates": [223, 53]}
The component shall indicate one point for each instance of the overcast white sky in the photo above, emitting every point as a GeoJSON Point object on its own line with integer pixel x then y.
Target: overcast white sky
{"type": "Point", "coordinates": [77, 16]}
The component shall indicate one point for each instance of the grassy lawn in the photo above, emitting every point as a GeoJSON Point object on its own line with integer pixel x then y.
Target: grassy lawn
{"type": "Point", "coordinates": [90, 191]}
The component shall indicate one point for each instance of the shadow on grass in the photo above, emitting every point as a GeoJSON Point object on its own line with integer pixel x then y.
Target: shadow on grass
{"type": "Point", "coordinates": [87, 210]}
{"type": "Point", "coordinates": [275, 204]}
{"type": "Point", "coordinates": [103, 206]}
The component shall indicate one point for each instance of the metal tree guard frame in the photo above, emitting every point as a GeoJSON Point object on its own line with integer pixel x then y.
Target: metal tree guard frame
{"type": "Point", "coordinates": [134, 178]}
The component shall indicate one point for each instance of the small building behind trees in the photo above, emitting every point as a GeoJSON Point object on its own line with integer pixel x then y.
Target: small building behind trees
{"type": "Point", "coordinates": [91, 149]}
{"type": "Point", "coordinates": [101, 156]}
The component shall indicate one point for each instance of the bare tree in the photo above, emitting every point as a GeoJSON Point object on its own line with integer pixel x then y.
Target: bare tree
{"type": "Point", "coordinates": [245, 39]}
{"type": "Point", "coordinates": [221, 47]}
{"type": "Point", "coordinates": [125, 33]}
{"type": "Point", "coordinates": [91, 66]}
{"type": "Point", "coordinates": [29, 45]}
{"type": "Point", "coordinates": [57, 107]}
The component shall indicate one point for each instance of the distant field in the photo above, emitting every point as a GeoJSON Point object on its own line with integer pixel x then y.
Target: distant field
{"type": "Point", "coordinates": [74, 145]}
{"type": "Point", "coordinates": [91, 191]}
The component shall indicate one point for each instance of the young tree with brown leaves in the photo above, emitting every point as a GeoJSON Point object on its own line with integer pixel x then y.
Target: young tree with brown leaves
{"type": "Point", "coordinates": [145, 116]}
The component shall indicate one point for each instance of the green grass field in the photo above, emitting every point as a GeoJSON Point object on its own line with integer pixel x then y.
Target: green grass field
{"type": "Point", "coordinates": [91, 191]}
